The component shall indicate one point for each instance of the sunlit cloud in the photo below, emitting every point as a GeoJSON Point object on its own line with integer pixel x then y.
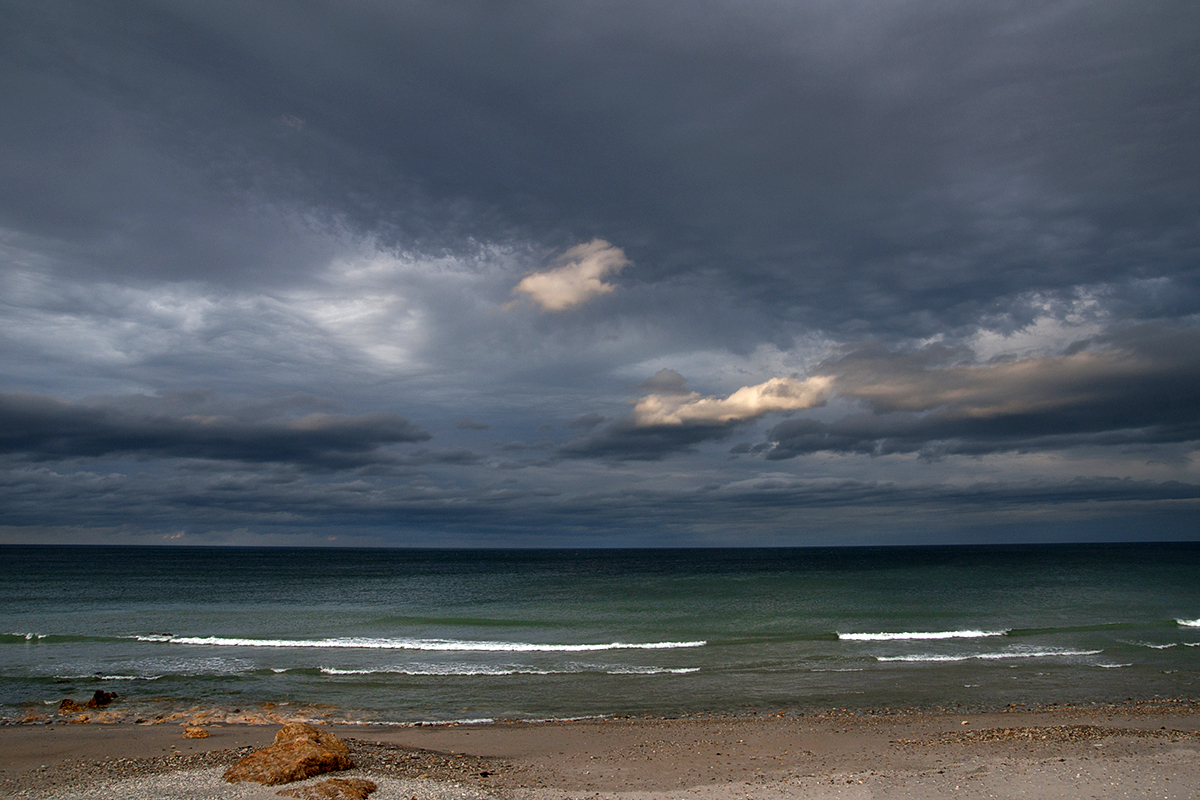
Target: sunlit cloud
{"type": "Point", "coordinates": [748, 402]}
{"type": "Point", "coordinates": [578, 278]}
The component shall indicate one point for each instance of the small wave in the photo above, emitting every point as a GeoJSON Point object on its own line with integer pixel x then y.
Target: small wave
{"type": "Point", "coordinates": [884, 637]}
{"type": "Point", "coordinates": [1188, 623]}
{"type": "Point", "coordinates": [1004, 654]}
{"type": "Point", "coordinates": [1156, 646]}
{"type": "Point", "coordinates": [443, 645]}
{"type": "Point", "coordinates": [472, 670]}
{"type": "Point", "coordinates": [108, 677]}
{"type": "Point", "coordinates": [1112, 666]}
{"type": "Point", "coordinates": [651, 670]}
{"type": "Point", "coordinates": [13, 638]}
{"type": "Point", "coordinates": [438, 671]}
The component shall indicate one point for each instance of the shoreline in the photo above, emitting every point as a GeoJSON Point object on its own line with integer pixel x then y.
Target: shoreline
{"type": "Point", "coordinates": [1114, 750]}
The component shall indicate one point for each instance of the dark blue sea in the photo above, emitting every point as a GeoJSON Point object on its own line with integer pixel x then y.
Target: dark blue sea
{"type": "Point", "coordinates": [432, 635]}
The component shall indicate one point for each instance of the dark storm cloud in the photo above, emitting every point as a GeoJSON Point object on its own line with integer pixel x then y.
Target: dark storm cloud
{"type": "Point", "coordinates": [625, 440]}
{"type": "Point", "coordinates": [277, 498]}
{"type": "Point", "coordinates": [1140, 386]}
{"type": "Point", "coordinates": [323, 198]}
{"type": "Point", "coordinates": [48, 429]}
{"type": "Point", "coordinates": [916, 166]}
{"type": "Point", "coordinates": [1136, 386]}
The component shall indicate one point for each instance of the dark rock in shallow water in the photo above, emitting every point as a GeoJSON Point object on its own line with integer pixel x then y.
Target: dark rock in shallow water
{"type": "Point", "coordinates": [101, 699]}
{"type": "Point", "coordinates": [299, 751]}
{"type": "Point", "coordinates": [333, 789]}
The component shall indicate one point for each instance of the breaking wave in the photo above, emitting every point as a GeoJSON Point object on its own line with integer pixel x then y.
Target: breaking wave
{"type": "Point", "coordinates": [1048, 652]}
{"type": "Point", "coordinates": [884, 637]}
{"type": "Point", "coordinates": [474, 669]}
{"type": "Point", "coordinates": [440, 645]}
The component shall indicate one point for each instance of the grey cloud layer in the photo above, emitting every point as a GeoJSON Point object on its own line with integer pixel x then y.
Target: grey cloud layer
{"type": "Point", "coordinates": [501, 235]}
{"type": "Point", "coordinates": [908, 165]}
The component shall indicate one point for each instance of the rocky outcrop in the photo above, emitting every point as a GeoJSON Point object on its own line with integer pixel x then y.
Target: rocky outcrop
{"type": "Point", "coordinates": [195, 733]}
{"type": "Point", "coordinates": [299, 751]}
{"type": "Point", "coordinates": [332, 789]}
{"type": "Point", "coordinates": [99, 700]}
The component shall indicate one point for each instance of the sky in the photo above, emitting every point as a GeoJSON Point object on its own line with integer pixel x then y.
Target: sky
{"type": "Point", "coordinates": [599, 273]}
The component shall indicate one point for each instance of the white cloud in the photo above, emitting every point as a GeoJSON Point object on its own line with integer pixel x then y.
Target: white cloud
{"type": "Point", "coordinates": [748, 402]}
{"type": "Point", "coordinates": [577, 279]}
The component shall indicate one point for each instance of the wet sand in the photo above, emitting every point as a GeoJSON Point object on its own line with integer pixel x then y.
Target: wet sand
{"type": "Point", "coordinates": [1140, 750]}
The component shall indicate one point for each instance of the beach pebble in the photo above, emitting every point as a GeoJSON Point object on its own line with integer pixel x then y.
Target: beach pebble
{"type": "Point", "coordinates": [332, 789]}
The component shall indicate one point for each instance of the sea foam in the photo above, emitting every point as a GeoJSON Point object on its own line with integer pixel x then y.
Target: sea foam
{"type": "Point", "coordinates": [884, 637]}
{"type": "Point", "coordinates": [442, 645]}
{"type": "Point", "coordinates": [1002, 655]}
{"type": "Point", "coordinates": [1188, 623]}
{"type": "Point", "coordinates": [498, 671]}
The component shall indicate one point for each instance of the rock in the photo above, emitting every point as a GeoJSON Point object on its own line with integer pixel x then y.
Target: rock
{"type": "Point", "coordinates": [101, 699]}
{"type": "Point", "coordinates": [195, 733]}
{"type": "Point", "coordinates": [299, 751]}
{"type": "Point", "coordinates": [69, 706]}
{"type": "Point", "coordinates": [332, 789]}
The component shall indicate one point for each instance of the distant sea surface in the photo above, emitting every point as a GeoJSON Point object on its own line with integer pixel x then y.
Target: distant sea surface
{"type": "Point", "coordinates": [409, 636]}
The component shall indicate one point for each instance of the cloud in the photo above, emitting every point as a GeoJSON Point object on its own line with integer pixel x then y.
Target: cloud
{"type": "Point", "coordinates": [577, 279]}
{"type": "Point", "coordinates": [748, 402]}
{"type": "Point", "coordinates": [587, 421]}
{"type": "Point", "coordinates": [666, 381]}
{"type": "Point", "coordinates": [1138, 386]}
{"type": "Point", "coordinates": [42, 428]}
{"type": "Point", "coordinates": [468, 424]}
{"type": "Point", "coordinates": [676, 419]}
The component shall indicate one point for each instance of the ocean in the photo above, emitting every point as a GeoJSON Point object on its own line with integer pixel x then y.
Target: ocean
{"type": "Point", "coordinates": [407, 636]}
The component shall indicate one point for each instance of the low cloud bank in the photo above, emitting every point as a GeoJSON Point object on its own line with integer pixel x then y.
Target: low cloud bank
{"type": "Point", "coordinates": [45, 428]}
{"type": "Point", "coordinates": [1136, 386]}
{"type": "Point", "coordinates": [1139, 386]}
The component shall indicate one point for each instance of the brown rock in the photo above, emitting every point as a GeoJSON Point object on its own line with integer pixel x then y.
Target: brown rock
{"type": "Point", "coordinates": [101, 699]}
{"type": "Point", "coordinates": [299, 751]}
{"type": "Point", "coordinates": [69, 706]}
{"type": "Point", "coordinates": [332, 789]}
{"type": "Point", "coordinates": [195, 733]}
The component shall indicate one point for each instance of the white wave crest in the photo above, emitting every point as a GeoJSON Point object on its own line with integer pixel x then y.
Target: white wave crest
{"type": "Point", "coordinates": [1188, 623]}
{"type": "Point", "coordinates": [450, 669]}
{"type": "Point", "coordinates": [884, 637]}
{"type": "Point", "coordinates": [109, 677]}
{"type": "Point", "coordinates": [471, 670]}
{"type": "Point", "coordinates": [1002, 655]}
{"type": "Point", "coordinates": [443, 645]}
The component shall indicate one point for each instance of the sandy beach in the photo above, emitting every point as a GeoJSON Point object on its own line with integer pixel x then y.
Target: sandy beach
{"type": "Point", "coordinates": [1137, 750]}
